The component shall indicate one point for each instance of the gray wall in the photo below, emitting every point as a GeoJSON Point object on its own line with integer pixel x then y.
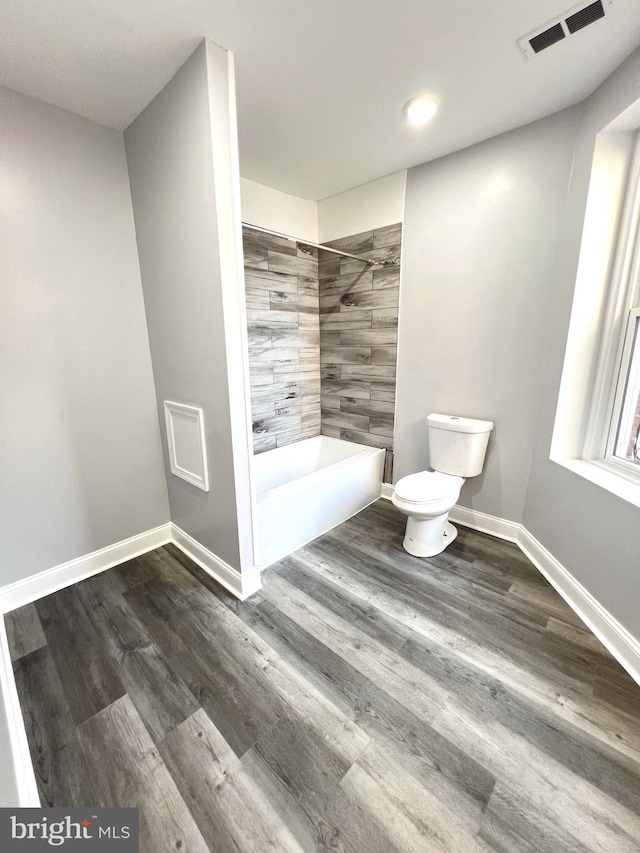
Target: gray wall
{"type": "Point", "coordinates": [592, 532]}
{"type": "Point", "coordinates": [171, 149]}
{"type": "Point", "coordinates": [480, 244]}
{"type": "Point", "coordinates": [80, 448]}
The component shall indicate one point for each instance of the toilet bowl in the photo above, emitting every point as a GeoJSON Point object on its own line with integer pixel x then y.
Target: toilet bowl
{"type": "Point", "coordinates": [427, 498]}
{"type": "Point", "coordinates": [457, 448]}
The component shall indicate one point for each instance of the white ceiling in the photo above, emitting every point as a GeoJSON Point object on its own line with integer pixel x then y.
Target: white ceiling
{"type": "Point", "coordinates": [320, 85]}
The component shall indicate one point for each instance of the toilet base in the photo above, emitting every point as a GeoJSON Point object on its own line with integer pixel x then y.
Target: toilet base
{"type": "Point", "coordinates": [426, 537]}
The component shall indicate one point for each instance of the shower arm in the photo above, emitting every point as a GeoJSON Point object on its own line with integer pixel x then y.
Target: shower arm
{"type": "Point", "coordinates": [315, 245]}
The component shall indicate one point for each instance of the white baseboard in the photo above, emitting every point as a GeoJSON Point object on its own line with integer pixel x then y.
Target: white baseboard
{"type": "Point", "coordinates": [22, 592]}
{"type": "Point", "coordinates": [387, 491]}
{"type": "Point", "coordinates": [51, 580]}
{"type": "Point", "coordinates": [23, 772]}
{"type": "Point", "coordinates": [37, 586]}
{"type": "Point", "coordinates": [241, 584]}
{"type": "Point", "coordinates": [623, 646]}
{"type": "Point", "coordinates": [31, 589]}
{"type": "Point", "coordinates": [500, 527]}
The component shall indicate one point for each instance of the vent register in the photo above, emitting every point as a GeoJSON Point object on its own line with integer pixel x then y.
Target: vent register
{"type": "Point", "coordinates": [571, 22]}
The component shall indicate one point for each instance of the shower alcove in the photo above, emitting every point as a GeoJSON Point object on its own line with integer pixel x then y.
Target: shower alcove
{"type": "Point", "coordinates": [322, 331]}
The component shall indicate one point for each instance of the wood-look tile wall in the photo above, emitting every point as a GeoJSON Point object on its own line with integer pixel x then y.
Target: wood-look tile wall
{"type": "Point", "coordinates": [358, 339]}
{"type": "Point", "coordinates": [281, 280]}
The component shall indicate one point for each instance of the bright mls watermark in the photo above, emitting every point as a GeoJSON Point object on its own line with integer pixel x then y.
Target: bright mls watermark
{"type": "Point", "coordinates": [80, 830]}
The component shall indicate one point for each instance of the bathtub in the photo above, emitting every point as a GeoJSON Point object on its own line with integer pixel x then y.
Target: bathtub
{"type": "Point", "coordinates": [305, 489]}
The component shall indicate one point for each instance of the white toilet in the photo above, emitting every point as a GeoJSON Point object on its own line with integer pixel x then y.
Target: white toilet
{"type": "Point", "coordinates": [457, 447]}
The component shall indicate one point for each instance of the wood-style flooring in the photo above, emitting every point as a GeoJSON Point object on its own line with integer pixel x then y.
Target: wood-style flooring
{"type": "Point", "coordinates": [365, 701]}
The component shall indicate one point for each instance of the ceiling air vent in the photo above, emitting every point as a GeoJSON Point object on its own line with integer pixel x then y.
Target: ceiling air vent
{"type": "Point", "coordinates": [585, 17]}
{"type": "Point", "coordinates": [546, 38]}
{"type": "Point", "coordinates": [570, 22]}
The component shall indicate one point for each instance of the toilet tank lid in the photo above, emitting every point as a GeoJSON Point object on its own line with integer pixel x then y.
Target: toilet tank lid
{"type": "Point", "coordinates": [456, 424]}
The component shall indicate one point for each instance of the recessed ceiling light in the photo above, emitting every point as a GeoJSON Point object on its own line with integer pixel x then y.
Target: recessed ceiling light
{"type": "Point", "coordinates": [420, 110]}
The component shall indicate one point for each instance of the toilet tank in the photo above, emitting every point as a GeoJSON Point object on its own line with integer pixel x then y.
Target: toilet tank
{"type": "Point", "coordinates": [457, 445]}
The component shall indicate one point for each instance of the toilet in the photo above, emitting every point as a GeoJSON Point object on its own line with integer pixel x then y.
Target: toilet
{"type": "Point", "coordinates": [457, 447]}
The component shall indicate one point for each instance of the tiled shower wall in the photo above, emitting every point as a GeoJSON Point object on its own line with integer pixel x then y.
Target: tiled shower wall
{"type": "Point", "coordinates": [358, 339]}
{"type": "Point", "coordinates": [281, 279]}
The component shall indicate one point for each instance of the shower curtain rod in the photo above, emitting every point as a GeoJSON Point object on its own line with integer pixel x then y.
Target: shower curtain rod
{"type": "Point", "coordinates": [308, 243]}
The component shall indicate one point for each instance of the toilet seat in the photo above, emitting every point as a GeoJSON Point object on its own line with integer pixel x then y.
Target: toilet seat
{"type": "Point", "coordinates": [427, 487]}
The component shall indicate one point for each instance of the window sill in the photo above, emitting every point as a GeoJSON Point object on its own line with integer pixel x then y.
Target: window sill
{"type": "Point", "coordinates": [604, 475]}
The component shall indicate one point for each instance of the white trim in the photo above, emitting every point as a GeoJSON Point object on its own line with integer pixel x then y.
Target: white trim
{"type": "Point", "coordinates": [31, 589]}
{"type": "Point", "coordinates": [626, 398]}
{"type": "Point", "coordinates": [226, 184]}
{"type": "Point", "coordinates": [387, 491]}
{"type": "Point", "coordinates": [492, 524]}
{"type": "Point", "coordinates": [25, 777]}
{"type": "Point", "coordinates": [22, 592]}
{"type": "Point", "coordinates": [196, 415]}
{"type": "Point", "coordinates": [597, 353]}
{"type": "Point", "coordinates": [241, 584]}
{"type": "Point", "coordinates": [602, 472]}
{"type": "Point", "coordinates": [51, 580]}
{"type": "Point", "coordinates": [622, 645]}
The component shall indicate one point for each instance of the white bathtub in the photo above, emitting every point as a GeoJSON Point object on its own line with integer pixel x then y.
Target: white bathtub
{"type": "Point", "coordinates": [306, 488]}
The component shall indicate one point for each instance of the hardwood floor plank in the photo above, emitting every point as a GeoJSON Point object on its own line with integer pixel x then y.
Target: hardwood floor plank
{"type": "Point", "coordinates": [292, 701]}
{"type": "Point", "coordinates": [229, 600]}
{"type": "Point", "coordinates": [503, 555]}
{"type": "Point", "coordinates": [24, 631]}
{"type": "Point", "coordinates": [168, 571]}
{"type": "Point", "coordinates": [354, 826]}
{"type": "Point", "coordinates": [301, 765]}
{"type": "Point", "coordinates": [130, 574]}
{"type": "Point", "coordinates": [426, 615]}
{"type": "Point", "coordinates": [503, 836]}
{"type": "Point", "coordinates": [614, 687]}
{"type": "Point", "coordinates": [364, 701]}
{"type": "Point", "coordinates": [543, 785]}
{"type": "Point", "coordinates": [220, 794]}
{"type": "Point", "coordinates": [544, 597]}
{"type": "Point", "coordinates": [564, 741]}
{"type": "Point", "coordinates": [429, 757]}
{"type": "Point", "coordinates": [88, 677]}
{"type": "Point", "coordinates": [411, 819]}
{"type": "Point", "coordinates": [434, 582]}
{"type": "Point", "coordinates": [290, 641]}
{"type": "Point", "coordinates": [265, 690]}
{"type": "Point", "coordinates": [158, 693]}
{"type": "Point", "coordinates": [58, 761]}
{"type": "Point", "coordinates": [579, 636]}
{"type": "Point", "coordinates": [216, 689]}
{"type": "Point", "coordinates": [390, 672]}
{"type": "Point", "coordinates": [312, 830]}
{"type": "Point", "coordinates": [127, 770]}
{"type": "Point", "coordinates": [512, 825]}
{"type": "Point", "coordinates": [366, 617]}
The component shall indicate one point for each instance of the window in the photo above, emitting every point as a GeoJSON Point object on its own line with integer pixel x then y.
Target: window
{"type": "Point", "coordinates": [596, 431]}
{"type": "Point", "coordinates": [622, 442]}
{"type": "Point", "coordinates": [624, 433]}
